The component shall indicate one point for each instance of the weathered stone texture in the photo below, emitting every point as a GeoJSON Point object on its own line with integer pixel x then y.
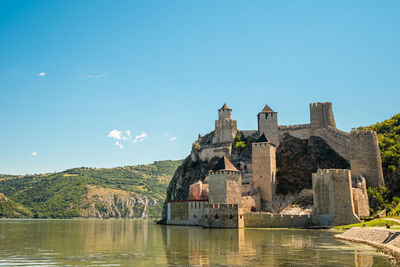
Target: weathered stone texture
{"type": "Point", "coordinates": [225, 187]}
{"type": "Point", "coordinates": [223, 216]}
{"type": "Point", "coordinates": [365, 157]}
{"type": "Point", "coordinates": [264, 170]}
{"type": "Point", "coordinates": [268, 124]}
{"type": "Point", "coordinates": [333, 200]}
{"type": "Point", "coordinates": [270, 220]}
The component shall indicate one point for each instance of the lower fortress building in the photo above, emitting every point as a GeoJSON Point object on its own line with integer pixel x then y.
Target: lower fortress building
{"type": "Point", "coordinates": [236, 197]}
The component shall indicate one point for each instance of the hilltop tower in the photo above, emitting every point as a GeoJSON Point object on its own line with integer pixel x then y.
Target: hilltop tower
{"type": "Point", "coordinates": [321, 116]}
{"type": "Point", "coordinates": [268, 124]}
{"type": "Point", "coordinates": [225, 127]}
{"type": "Point", "coordinates": [264, 168]}
{"type": "Point", "coordinates": [365, 157]}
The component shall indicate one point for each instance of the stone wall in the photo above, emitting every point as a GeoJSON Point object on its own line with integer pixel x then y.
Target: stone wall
{"type": "Point", "coordinates": [225, 187]}
{"type": "Point", "coordinates": [269, 220]}
{"type": "Point", "coordinates": [302, 131]}
{"type": "Point", "coordinates": [223, 216]}
{"type": "Point", "coordinates": [365, 157]}
{"type": "Point", "coordinates": [225, 131]}
{"type": "Point", "coordinates": [361, 203]}
{"type": "Point", "coordinates": [268, 124]}
{"type": "Point", "coordinates": [321, 116]}
{"type": "Point", "coordinates": [207, 153]}
{"type": "Point", "coordinates": [264, 170]}
{"type": "Point", "coordinates": [332, 198]}
{"type": "Point", "coordinates": [186, 212]}
{"type": "Point", "coordinates": [337, 142]}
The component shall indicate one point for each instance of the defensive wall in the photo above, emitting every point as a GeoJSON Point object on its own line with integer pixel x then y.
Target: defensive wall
{"type": "Point", "coordinates": [223, 216]}
{"type": "Point", "coordinates": [302, 131]}
{"type": "Point", "coordinates": [186, 212]}
{"type": "Point", "coordinates": [269, 220]}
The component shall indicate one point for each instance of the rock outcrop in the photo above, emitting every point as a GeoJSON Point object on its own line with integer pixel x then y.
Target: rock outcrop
{"type": "Point", "coordinates": [112, 203]}
{"type": "Point", "coordinates": [3, 198]}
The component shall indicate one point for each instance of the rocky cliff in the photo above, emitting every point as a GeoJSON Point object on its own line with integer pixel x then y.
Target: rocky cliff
{"type": "Point", "coordinates": [297, 159]}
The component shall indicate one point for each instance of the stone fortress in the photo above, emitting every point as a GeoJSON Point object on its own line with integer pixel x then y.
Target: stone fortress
{"type": "Point", "coordinates": [240, 196]}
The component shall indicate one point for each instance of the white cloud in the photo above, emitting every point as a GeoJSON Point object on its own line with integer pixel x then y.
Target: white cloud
{"type": "Point", "coordinates": [97, 76]}
{"type": "Point", "coordinates": [34, 154]}
{"type": "Point", "coordinates": [128, 133]}
{"type": "Point", "coordinates": [166, 134]}
{"type": "Point", "coordinates": [42, 74]}
{"type": "Point", "coordinates": [140, 137]}
{"type": "Point", "coordinates": [173, 138]}
{"type": "Point", "coordinates": [115, 134]}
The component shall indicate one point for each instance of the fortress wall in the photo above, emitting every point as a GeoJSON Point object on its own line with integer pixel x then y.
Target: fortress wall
{"type": "Point", "coordinates": [223, 216]}
{"type": "Point", "coordinates": [186, 212]}
{"type": "Point", "coordinates": [302, 131]}
{"type": "Point", "coordinates": [208, 153]}
{"type": "Point", "coordinates": [333, 198]}
{"type": "Point", "coordinates": [225, 187]}
{"type": "Point", "coordinates": [225, 131]}
{"type": "Point", "coordinates": [365, 157]}
{"type": "Point", "coordinates": [337, 142]}
{"type": "Point", "coordinates": [268, 220]}
{"type": "Point", "coordinates": [248, 133]}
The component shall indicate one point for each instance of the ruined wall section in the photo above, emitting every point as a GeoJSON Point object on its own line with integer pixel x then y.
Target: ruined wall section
{"type": "Point", "coordinates": [333, 198]}
{"type": "Point", "coordinates": [321, 116]}
{"type": "Point", "coordinates": [365, 157]}
{"type": "Point", "coordinates": [336, 139]}
{"type": "Point", "coordinates": [264, 170]}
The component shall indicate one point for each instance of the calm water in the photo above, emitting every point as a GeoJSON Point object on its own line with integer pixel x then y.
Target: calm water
{"type": "Point", "coordinates": [141, 243]}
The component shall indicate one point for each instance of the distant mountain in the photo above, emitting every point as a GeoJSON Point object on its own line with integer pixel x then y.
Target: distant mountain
{"type": "Point", "coordinates": [129, 192]}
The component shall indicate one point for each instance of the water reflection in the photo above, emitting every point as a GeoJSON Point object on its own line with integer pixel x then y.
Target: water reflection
{"type": "Point", "coordinates": [140, 243]}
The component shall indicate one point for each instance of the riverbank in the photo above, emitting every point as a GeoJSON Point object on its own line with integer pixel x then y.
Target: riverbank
{"type": "Point", "coordinates": [386, 240]}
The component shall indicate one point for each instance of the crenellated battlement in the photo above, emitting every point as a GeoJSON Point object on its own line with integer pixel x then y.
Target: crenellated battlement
{"type": "Point", "coordinates": [294, 127]}
{"type": "Point", "coordinates": [319, 104]}
{"type": "Point", "coordinates": [359, 132]}
{"type": "Point", "coordinates": [331, 171]}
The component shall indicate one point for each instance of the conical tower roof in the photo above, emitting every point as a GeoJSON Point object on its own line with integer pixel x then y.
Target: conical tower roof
{"type": "Point", "coordinates": [267, 109]}
{"type": "Point", "coordinates": [225, 106]}
{"type": "Point", "coordinates": [263, 139]}
{"type": "Point", "coordinates": [224, 164]}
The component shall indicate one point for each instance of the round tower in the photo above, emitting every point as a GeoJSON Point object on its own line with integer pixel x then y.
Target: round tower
{"type": "Point", "coordinates": [268, 124]}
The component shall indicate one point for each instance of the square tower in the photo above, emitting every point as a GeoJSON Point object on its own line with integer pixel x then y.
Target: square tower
{"type": "Point", "coordinates": [268, 124]}
{"type": "Point", "coordinates": [264, 168]}
{"type": "Point", "coordinates": [225, 127]}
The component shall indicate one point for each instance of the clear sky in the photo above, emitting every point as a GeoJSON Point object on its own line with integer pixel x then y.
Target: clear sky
{"type": "Point", "coordinates": [76, 77]}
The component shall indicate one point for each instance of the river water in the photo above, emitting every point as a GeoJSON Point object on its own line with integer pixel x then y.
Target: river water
{"type": "Point", "coordinates": [142, 243]}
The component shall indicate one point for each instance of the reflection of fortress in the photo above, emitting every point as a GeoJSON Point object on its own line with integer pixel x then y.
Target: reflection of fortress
{"type": "Point", "coordinates": [235, 197]}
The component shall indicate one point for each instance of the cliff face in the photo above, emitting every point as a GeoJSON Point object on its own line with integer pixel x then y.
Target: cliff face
{"type": "Point", "coordinates": [106, 203]}
{"type": "Point", "coordinates": [297, 159]}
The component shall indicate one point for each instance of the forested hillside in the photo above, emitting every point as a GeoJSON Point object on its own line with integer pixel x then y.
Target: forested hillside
{"type": "Point", "coordinates": [131, 191]}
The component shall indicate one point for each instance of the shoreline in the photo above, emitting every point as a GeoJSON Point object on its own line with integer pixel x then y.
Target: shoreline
{"type": "Point", "coordinates": [385, 240]}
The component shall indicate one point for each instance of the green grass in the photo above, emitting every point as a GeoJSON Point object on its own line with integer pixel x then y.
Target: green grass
{"type": "Point", "coordinates": [374, 223]}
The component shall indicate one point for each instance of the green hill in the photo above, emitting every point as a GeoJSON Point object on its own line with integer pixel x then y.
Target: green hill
{"type": "Point", "coordinates": [131, 191]}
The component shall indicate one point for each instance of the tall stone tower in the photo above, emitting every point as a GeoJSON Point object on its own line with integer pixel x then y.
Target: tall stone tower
{"type": "Point", "coordinates": [321, 116]}
{"type": "Point", "coordinates": [264, 168]}
{"type": "Point", "coordinates": [225, 183]}
{"type": "Point", "coordinates": [225, 127]}
{"type": "Point", "coordinates": [365, 157]}
{"type": "Point", "coordinates": [268, 124]}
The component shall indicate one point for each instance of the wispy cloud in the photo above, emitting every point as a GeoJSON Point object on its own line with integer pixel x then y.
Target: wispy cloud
{"type": "Point", "coordinates": [140, 137]}
{"type": "Point", "coordinates": [42, 74]}
{"type": "Point", "coordinates": [166, 134]}
{"type": "Point", "coordinates": [97, 76]}
{"type": "Point", "coordinates": [34, 154]}
{"type": "Point", "coordinates": [173, 138]}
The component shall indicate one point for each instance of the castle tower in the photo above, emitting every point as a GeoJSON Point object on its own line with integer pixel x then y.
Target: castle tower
{"type": "Point", "coordinates": [268, 124]}
{"type": "Point", "coordinates": [321, 116]}
{"type": "Point", "coordinates": [333, 198]}
{"type": "Point", "coordinates": [264, 168]}
{"type": "Point", "coordinates": [225, 127]}
{"type": "Point", "coordinates": [365, 157]}
{"type": "Point", "coordinates": [225, 183]}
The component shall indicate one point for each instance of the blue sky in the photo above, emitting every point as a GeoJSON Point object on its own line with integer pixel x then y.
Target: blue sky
{"type": "Point", "coordinates": [71, 72]}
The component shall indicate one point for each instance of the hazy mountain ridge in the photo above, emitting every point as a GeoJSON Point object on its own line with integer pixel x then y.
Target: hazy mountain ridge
{"type": "Point", "coordinates": [130, 191]}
